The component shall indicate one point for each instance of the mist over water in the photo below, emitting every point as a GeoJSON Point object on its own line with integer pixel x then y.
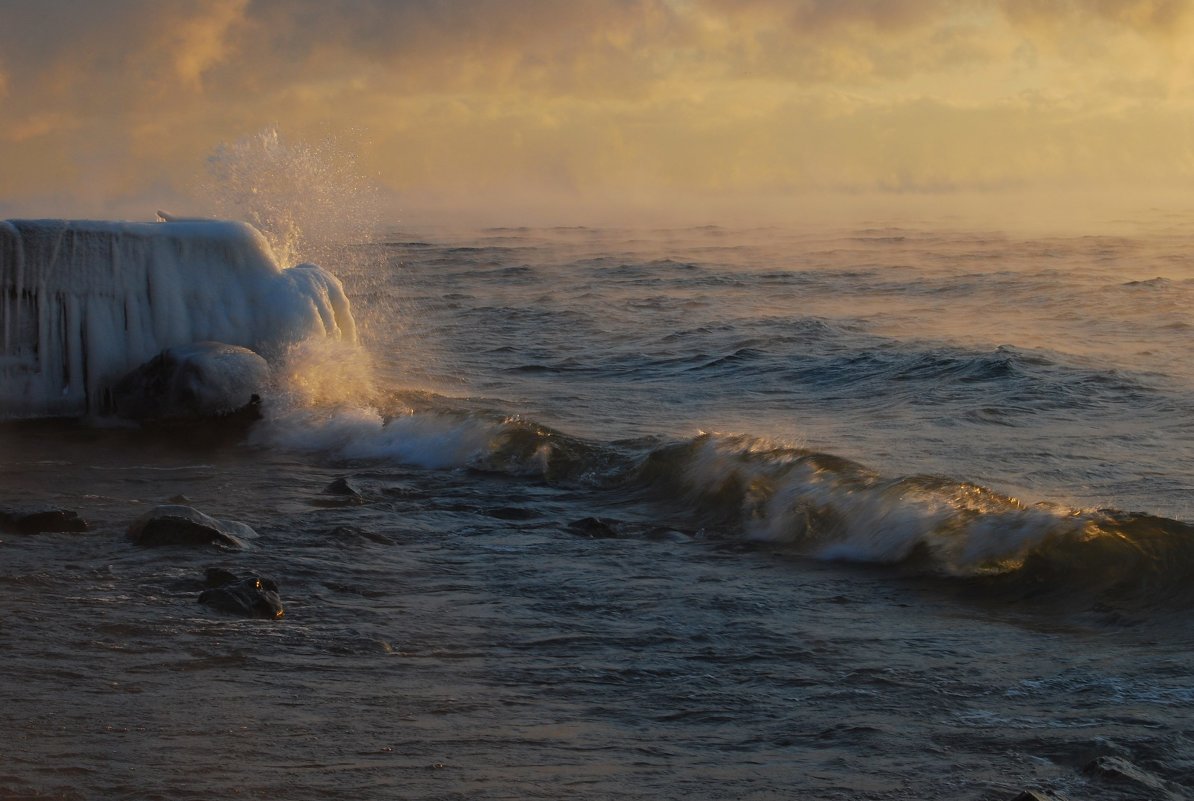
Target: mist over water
{"type": "Point", "coordinates": [911, 351]}
{"type": "Point", "coordinates": [878, 511]}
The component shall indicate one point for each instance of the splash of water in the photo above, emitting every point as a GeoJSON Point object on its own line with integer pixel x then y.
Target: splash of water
{"type": "Point", "coordinates": [312, 203]}
{"type": "Point", "coordinates": [331, 373]}
{"type": "Point", "coordinates": [310, 200]}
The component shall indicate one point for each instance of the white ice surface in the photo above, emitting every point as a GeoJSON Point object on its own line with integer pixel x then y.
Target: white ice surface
{"type": "Point", "coordinates": [83, 302]}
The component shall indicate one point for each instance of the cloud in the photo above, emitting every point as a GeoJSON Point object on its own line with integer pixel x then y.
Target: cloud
{"type": "Point", "coordinates": [422, 45]}
{"type": "Point", "coordinates": [200, 42]}
{"type": "Point", "coordinates": [819, 16]}
{"type": "Point", "coordinates": [604, 96]}
{"type": "Point", "coordinates": [1152, 18]}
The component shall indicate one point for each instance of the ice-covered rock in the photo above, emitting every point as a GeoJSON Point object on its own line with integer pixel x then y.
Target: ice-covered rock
{"type": "Point", "coordinates": [85, 302]}
{"type": "Point", "coordinates": [183, 525]}
{"type": "Point", "coordinates": [189, 382]}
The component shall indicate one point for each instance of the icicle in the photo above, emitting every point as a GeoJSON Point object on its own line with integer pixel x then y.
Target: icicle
{"type": "Point", "coordinates": [85, 302]}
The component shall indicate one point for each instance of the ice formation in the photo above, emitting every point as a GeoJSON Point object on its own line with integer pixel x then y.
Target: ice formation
{"type": "Point", "coordinates": [84, 302]}
{"type": "Point", "coordinates": [191, 382]}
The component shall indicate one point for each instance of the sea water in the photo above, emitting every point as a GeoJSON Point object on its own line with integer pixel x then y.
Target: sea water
{"type": "Point", "coordinates": [879, 511]}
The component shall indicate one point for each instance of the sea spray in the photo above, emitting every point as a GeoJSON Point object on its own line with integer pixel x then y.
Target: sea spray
{"type": "Point", "coordinates": [315, 372]}
{"type": "Point", "coordinates": [310, 200]}
{"type": "Point", "coordinates": [313, 202]}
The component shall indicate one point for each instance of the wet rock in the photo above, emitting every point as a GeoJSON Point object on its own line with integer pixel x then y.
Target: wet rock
{"type": "Point", "coordinates": [1121, 771]}
{"type": "Point", "coordinates": [342, 486]}
{"type": "Point", "coordinates": [512, 513]}
{"type": "Point", "coordinates": [596, 528]}
{"type": "Point", "coordinates": [39, 519]}
{"type": "Point", "coordinates": [603, 528]}
{"type": "Point", "coordinates": [247, 596]}
{"type": "Point", "coordinates": [1035, 795]}
{"type": "Point", "coordinates": [357, 535]}
{"type": "Point", "coordinates": [183, 525]}
{"type": "Point", "coordinates": [664, 534]}
{"type": "Point", "coordinates": [340, 492]}
{"type": "Point", "coordinates": [218, 577]}
{"type": "Point", "coordinates": [198, 381]}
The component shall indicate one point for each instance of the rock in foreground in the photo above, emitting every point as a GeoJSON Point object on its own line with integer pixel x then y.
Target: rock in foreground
{"type": "Point", "coordinates": [1120, 771]}
{"type": "Point", "coordinates": [340, 492]}
{"type": "Point", "coordinates": [183, 525]}
{"type": "Point", "coordinates": [39, 519]}
{"type": "Point", "coordinates": [247, 596]}
{"type": "Point", "coordinates": [198, 381]}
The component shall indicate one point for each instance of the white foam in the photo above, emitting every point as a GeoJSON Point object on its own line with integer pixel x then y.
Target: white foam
{"type": "Point", "coordinates": [426, 440]}
{"type": "Point", "coordinates": [845, 512]}
{"type": "Point", "coordinates": [85, 301]}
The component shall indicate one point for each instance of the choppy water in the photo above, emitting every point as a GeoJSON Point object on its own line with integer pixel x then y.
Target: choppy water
{"type": "Point", "coordinates": [867, 513]}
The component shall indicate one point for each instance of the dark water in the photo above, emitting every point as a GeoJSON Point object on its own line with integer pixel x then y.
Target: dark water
{"type": "Point", "coordinates": [881, 513]}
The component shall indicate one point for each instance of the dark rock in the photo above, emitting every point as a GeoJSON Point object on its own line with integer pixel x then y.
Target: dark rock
{"type": "Point", "coordinates": [182, 525]}
{"type": "Point", "coordinates": [511, 513]}
{"type": "Point", "coordinates": [341, 486]}
{"type": "Point", "coordinates": [218, 577]}
{"type": "Point", "coordinates": [664, 534]}
{"type": "Point", "coordinates": [355, 534]}
{"type": "Point", "coordinates": [600, 528]}
{"type": "Point", "coordinates": [1034, 795]}
{"type": "Point", "coordinates": [248, 596]}
{"type": "Point", "coordinates": [39, 519]}
{"type": "Point", "coordinates": [1120, 770]}
{"type": "Point", "coordinates": [339, 493]}
{"type": "Point", "coordinates": [192, 382]}
{"type": "Point", "coordinates": [597, 528]}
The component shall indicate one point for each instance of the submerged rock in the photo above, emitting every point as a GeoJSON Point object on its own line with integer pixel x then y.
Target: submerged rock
{"type": "Point", "coordinates": [342, 486]}
{"type": "Point", "coordinates": [247, 596]}
{"type": "Point", "coordinates": [183, 525]}
{"type": "Point", "coordinates": [1035, 795]}
{"type": "Point", "coordinates": [511, 513]}
{"type": "Point", "coordinates": [39, 519]}
{"type": "Point", "coordinates": [1121, 771]}
{"type": "Point", "coordinates": [340, 492]}
{"type": "Point", "coordinates": [597, 528]}
{"type": "Point", "coordinates": [358, 535]}
{"type": "Point", "coordinates": [198, 381]}
{"type": "Point", "coordinates": [601, 528]}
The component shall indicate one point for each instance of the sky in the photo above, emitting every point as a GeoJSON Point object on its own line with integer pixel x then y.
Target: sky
{"type": "Point", "coordinates": [512, 111]}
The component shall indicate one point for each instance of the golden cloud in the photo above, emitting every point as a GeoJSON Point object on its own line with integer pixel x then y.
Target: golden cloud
{"type": "Point", "coordinates": [608, 96]}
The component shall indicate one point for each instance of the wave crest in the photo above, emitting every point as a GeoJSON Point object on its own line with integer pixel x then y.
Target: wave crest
{"type": "Point", "coordinates": [803, 501]}
{"type": "Point", "coordinates": [827, 507]}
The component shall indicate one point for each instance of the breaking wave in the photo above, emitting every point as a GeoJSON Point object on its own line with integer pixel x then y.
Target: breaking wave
{"type": "Point", "coordinates": [769, 494]}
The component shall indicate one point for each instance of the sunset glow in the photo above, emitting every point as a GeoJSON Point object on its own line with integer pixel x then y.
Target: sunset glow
{"type": "Point", "coordinates": [692, 105]}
